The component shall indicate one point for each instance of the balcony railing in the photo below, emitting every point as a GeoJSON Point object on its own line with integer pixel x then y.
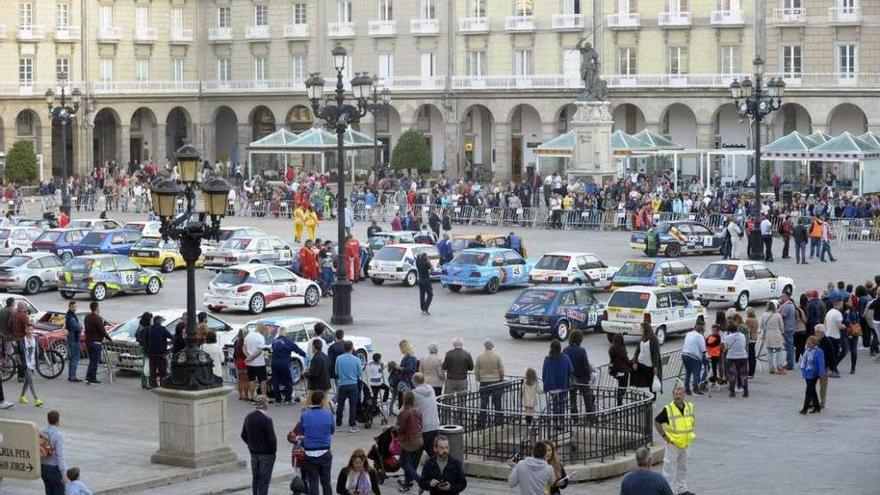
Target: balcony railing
{"type": "Point", "coordinates": [341, 29]}
{"type": "Point", "coordinates": [296, 31]}
{"type": "Point", "coordinates": [414, 83]}
{"type": "Point", "coordinates": [266, 85]}
{"type": "Point", "coordinates": [563, 22]}
{"type": "Point", "coordinates": [34, 88]}
{"type": "Point", "coordinates": [790, 16]}
{"type": "Point", "coordinates": [30, 33]}
{"type": "Point", "coordinates": [144, 87]}
{"type": "Point", "coordinates": [257, 33]}
{"type": "Point", "coordinates": [623, 20]}
{"type": "Point", "coordinates": [474, 25]}
{"type": "Point", "coordinates": [844, 15]}
{"type": "Point", "coordinates": [220, 34]}
{"type": "Point", "coordinates": [67, 33]}
{"type": "Point", "coordinates": [109, 34]}
{"type": "Point", "coordinates": [727, 18]}
{"type": "Point", "coordinates": [519, 23]}
{"type": "Point", "coordinates": [382, 28]}
{"type": "Point", "coordinates": [182, 35]}
{"type": "Point", "coordinates": [424, 27]}
{"type": "Point", "coordinates": [146, 34]}
{"type": "Point", "coordinates": [674, 19]}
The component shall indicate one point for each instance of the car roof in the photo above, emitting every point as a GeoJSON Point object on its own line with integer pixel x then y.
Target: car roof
{"type": "Point", "coordinates": [649, 260]}
{"type": "Point", "coordinates": [487, 250]}
{"type": "Point", "coordinates": [553, 288]}
{"type": "Point", "coordinates": [37, 254]}
{"type": "Point", "coordinates": [647, 288]}
{"type": "Point", "coordinates": [250, 267]}
{"type": "Point", "coordinates": [736, 262]}
{"type": "Point", "coordinates": [139, 222]}
{"type": "Point", "coordinates": [569, 253]}
{"type": "Point", "coordinates": [114, 231]}
{"type": "Point", "coordinates": [285, 320]}
{"type": "Point", "coordinates": [100, 256]}
{"type": "Point", "coordinates": [471, 237]}
{"type": "Point", "coordinates": [408, 245]}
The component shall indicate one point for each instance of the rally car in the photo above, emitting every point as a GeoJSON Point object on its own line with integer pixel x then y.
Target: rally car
{"type": "Point", "coordinates": [666, 309]}
{"type": "Point", "coordinates": [485, 268]}
{"type": "Point", "coordinates": [462, 241]}
{"type": "Point", "coordinates": [227, 233]}
{"type": "Point", "coordinates": [61, 242]}
{"type": "Point", "coordinates": [301, 329]}
{"type": "Point", "coordinates": [16, 240]}
{"type": "Point", "coordinates": [255, 287]}
{"type": "Point", "coordinates": [94, 224]}
{"type": "Point", "coordinates": [573, 268]}
{"type": "Point", "coordinates": [147, 228]}
{"type": "Point", "coordinates": [398, 263]}
{"type": "Point", "coordinates": [100, 275]}
{"type": "Point", "coordinates": [677, 238]}
{"type": "Point", "coordinates": [30, 272]}
{"type": "Point", "coordinates": [117, 241]}
{"type": "Point", "coordinates": [654, 272]}
{"type": "Point", "coordinates": [126, 331]}
{"type": "Point", "coordinates": [266, 249]}
{"type": "Point", "coordinates": [740, 282]}
{"type": "Point", "coordinates": [51, 331]}
{"type": "Point", "coordinates": [156, 252]}
{"type": "Point", "coordinates": [380, 239]}
{"type": "Point", "coordinates": [553, 310]}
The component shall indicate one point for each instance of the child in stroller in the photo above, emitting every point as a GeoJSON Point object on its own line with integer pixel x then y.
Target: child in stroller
{"type": "Point", "coordinates": [385, 455]}
{"type": "Point", "coordinates": [367, 408]}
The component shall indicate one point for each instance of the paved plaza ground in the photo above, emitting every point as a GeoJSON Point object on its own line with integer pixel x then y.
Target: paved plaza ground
{"type": "Point", "coordinates": [755, 445]}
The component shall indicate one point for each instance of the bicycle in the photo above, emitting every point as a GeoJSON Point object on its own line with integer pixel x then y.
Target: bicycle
{"type": "Point", "coordinates": [50, 364]}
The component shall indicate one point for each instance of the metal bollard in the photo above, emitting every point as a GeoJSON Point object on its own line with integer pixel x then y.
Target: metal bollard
{"type": "Point", "coordinates": [455, 435]}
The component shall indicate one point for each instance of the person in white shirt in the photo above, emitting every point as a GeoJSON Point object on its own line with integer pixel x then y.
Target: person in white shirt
{"type": "Point", "coordinates": [212, 348]}
{"type": "Point", "coordinates": [256, 359]}
{"type": "Point", "coordinates": [737, 241]}
{"type": "Point", "coordinates": [767, 238]}
{"type": "Point", "coordinates": [833, 326]}
{"type": "Point", "coordinates": [692, 352]}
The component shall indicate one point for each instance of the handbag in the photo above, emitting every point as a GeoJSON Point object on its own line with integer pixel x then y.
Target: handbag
{"type": "Point", "coordinates": [656, 386]}
{"type": "Point", "coordinates": [854, 330]}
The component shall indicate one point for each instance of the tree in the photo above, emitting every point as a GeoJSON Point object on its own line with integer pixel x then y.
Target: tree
{"type": "Point", "coordinates": [21, 163]}
{"type": "Point", "coordinates": [411, 152]}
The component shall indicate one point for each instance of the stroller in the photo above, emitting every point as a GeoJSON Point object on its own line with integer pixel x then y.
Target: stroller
{"type": "Point", "coordinates": [367, 408]}
{"type": "Point", "coordinates": [385, 455]}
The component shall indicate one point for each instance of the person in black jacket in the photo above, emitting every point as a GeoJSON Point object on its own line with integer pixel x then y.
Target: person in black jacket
{"type": "Point", "coordinates": [258, 432]}
{"type": "Point", "coordinates": [157, 349]}
{"type": "Point", "coordinates": [74, 334]}
{"type": "Point", "coordinates": [443, 474]}
{"type": "Point", "coordinates": [318, 374]}
{"type": "Point", "coordinates": [426, 292]}
{"type": "Point", "coordinates": [580, 383]}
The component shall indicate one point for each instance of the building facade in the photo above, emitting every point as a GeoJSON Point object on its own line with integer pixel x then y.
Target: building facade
{"type": "Point", "coordinates": [485, 81]}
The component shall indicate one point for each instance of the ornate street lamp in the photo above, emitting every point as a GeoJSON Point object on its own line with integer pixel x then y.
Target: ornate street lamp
{"type": "Point", "coordinates": [337, 118]}
{"type": "Point", "coordinates": [191, 368]}
{"type": "Point", "coordinates": [64, 115]}
{"type": "Point", "coordinates": [380, 99]}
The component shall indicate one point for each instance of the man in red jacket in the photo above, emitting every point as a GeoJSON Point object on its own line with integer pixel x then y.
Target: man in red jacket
{"type": "Point", "coordinates": [352, 259]}
{"type": "Point", "coordinates": [308, 262]}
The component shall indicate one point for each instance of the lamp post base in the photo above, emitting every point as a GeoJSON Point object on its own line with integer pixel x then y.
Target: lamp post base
{"type": "Point", "coordinates": [341, 303]}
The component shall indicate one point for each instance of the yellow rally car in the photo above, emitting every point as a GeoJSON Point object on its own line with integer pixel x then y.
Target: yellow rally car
{"type": "Point", "coordinates": [154, 251]}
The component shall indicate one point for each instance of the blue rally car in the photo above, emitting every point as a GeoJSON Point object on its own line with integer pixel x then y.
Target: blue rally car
{"type": "Point", "coordinates": [553, 310]}
{"type": "Point", "coordinates": [485, 268]}
{"type": "Point", "coordinates": [61, 242]}
{"type": "Point", "coordinates": [677, 238]}
{"type": "Point", "coordinates": [117, 241]}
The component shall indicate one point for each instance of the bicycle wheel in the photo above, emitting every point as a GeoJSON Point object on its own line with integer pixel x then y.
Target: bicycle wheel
{"type": "Point", "coordinates": [51, 364]}
{"type": "Point", "coordinates": [7, 369]}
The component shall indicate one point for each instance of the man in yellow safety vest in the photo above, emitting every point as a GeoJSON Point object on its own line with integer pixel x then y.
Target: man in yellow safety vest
{"type": "Point", "coordinates": [675, 424]}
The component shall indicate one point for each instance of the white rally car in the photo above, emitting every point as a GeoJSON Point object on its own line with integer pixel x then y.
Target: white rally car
{"type": "Point", "coordinates": [740, 282]}
{"type": "Point", "coordinates": [267, 249]}
{"type": "Point", "coordinates": [572, 267]}
{"type": "Point", "coordinates": [666, 309]}
{"type": "Point", "coordinates": [397, 262]}
{"type": "Point", "coordinates": [255, 287]}
{"type": "Point", "coordinates": [17, 240]}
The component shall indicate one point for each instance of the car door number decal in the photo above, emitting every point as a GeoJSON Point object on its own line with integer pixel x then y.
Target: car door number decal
{"type": "Point", "coordinates": [291, 289]}
{"type": "Point", "coordinates": [517, 270]}
{"type": "Point", "coordinates": [128, 278]}
{"type": "Point", "coordinates": [773, 284]}
{"type": "Point", "coordinates": [592, 318]}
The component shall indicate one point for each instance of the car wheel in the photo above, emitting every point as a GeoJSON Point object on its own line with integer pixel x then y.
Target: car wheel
{"type": "Point", "coordinates": [660, 334]}
{"type": "Point", "coordinates": [410, 279]}
{"type": "Point", "coordinates": [742, 301]}
{"type": "Point", "coordinates": [32, 286]}
{"type": "Point", "coordinates": [455, 288]}
{"type": "Point", "coordinates": [704, 302]}
{"type": "Point", "coordinates": [673, 250]}
{"type": "Point", "coordinates": [61, 348]}
{"type": "Point", "coordinates": [213, 309]}
{"type": "Point", "coordinates": [561, 331]}
{"type": "Point", "coordinates": [516, 334]}
{"type": "Point", "coordinates": [153, 286]}
{"type": "Point", "coordinates": [296, 372]}
{"type": "Point", "coordinates": [257, 304]}
{"type": "Point", "coordinates": [377, 281]}
{"type": "Point", "coordinates": [66, 256]}
{"type": "Point", "coordinates": [313, 295]}
{"type": "Point", "coordinates": [168, 265]}
{"type": "Point", "coordinates": [66, 294]}
{"type": "Point", "coordinates": [362, 355]}
{"type": "Point", "coordinates": [787, 290]}
{"type": "Point", "coordinates": [99, 292]}
{"type": "Point", "coordinates": [610, 337]}
{"type": "Point", "coordinates": [493, 286]}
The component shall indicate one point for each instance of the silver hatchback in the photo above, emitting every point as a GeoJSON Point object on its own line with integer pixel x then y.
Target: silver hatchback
{"type": "Point", "coordinates": [30, 272]}
{"type": "Point", "coordinates": [270, 250]}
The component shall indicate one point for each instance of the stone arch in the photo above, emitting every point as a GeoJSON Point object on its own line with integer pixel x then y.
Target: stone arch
{"type": "Point", "coordinates": [299, 119]}
{"type": "Point", "coordinates": [478, 140]}
{"type": "Point", "coordinates": [387, 128]}
{"type": "Point", "coordinates": [177, 130]}
{"type": "Point", "coordinates": [525, 128]}
{"type": "Point", "coordinates": [847, 117]}
{"type": "Point", "coordinates": [262, 122]}
{"type": "Point", "coordinates": [226, 134]}
{"type": "Point", "coordinates": [628, 118]}
{"type": "Point", "coordinates": [429, 122]}
{"type": "Point", "coordinates": [563, 116]}
{"type": "Point", "coordinates": [106, 136]}
{"type": "Point", "coordinates": [790, 117]}
{"type": "Point", "coordinates": [144, 138]}
{"type": "Point", "coordinates": [730, 131]}
{"type": "Point", "coordinates": [679, 123]}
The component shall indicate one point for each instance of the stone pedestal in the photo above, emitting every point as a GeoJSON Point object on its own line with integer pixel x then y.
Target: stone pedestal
{"type": "Point", "coordinates": [592, 155]}
{"type": "Point", "coordinates": [192, 428]}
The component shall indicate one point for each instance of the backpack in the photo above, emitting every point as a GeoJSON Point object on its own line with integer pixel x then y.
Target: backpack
{"type": "Point", "coordinates": [46, 450]}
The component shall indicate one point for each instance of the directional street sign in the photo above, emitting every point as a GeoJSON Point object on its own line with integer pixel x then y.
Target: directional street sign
{"type": "Point", "coordinates": [19, 450]}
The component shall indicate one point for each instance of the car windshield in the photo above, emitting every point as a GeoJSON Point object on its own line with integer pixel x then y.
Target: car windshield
{"type": "Point", "coordinates": [553, 262]}
{"type": "Point", "coordinates": [17, 261]}
{"type": "Point", "coordinates": [536, 296]}
{"type": "Point", "coordinates": [232, 277]}
{"type": "Point", "coordinates": [79, 265]}
{"type": "Point", "coordinates": [148, 242]}
{"type": "Point", "coordinates": [93, 238]}
{"type": "Point", "coordinates": [637, 269]}
{"type": "Point", "coordinates": [135, 226]}
{"type": "Point", "coordinates": [470, 258]}
{"type": "Point", "coordinates": [662, 227]}
{"type": "Point", "coordinates": [4, 233]}
{"type": "Point", "coordinates": [271, 331]}
{"type": "Point", "coordinates": [127, 330]}
{"type": "Point", "coordinates": [388, 253]}
{"type": "Point", "coordinates": [50, 236]}
{"type": "Point", "coordinates": [719, 271]}
{"type": "Point", "coordinates": [627, 299]}
{"type": "Point", "coordinates": [226, 234]}
{"type": "Point", "coordinates": [236, 243]}
{"type": "Point", "coordinates": [82, 224]}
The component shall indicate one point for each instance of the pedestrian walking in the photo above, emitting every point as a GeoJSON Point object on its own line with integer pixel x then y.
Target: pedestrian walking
{"type": "Point", "coordinates": [799, 232]}
{"type": "Point", "coordinates": [457, 363]}
{"type": "Point", "coordinates": [646, 363]}
{"type": "Point", "coordinates": [751, 324]}
{"type": "Point", "coordinates": [158, 338]}
{"type": "Point", "coordinates": [432, 367]}
{"type": "Point", "coordinates": [317, 427]}
{"type": "Point", "coordinates": [443, 474]}
{"type": "Point", "coordinates": [409, 435]}
{"type": "Point", "coordinates": [30, 352]}
{"type": "Point", "coordinates": [834, 330]}
{"type": "Point", "coordinates": [53, 462]}
{"type": "Point", "coordinates": [426, 403]}
{"type": "Point", "coordinates": [827, 235]}
{"type": "Point", "coordinates": [643, 481]}
{"type": "Point", "coordinates": [785, 231]}
{"type": "Point", "coordinates": [582, 371]}
{"type": "Point", "coordinates": [282, 382]}
{"type": "Point", "coordinates": [256, 359]}
{"type": "Point", "coordinates": [357, 477]}
{"type": "Point", "coordinates": [426, 291]}
{"type": "Point", "coordinates": [348, 373]}
{"type": "Point", "coordinates": [829, 353]}
{"type": "Point", "coordinates": [74, 335]}
{"type": "Point", "coordinates": [95, 335]}
{"type": "Point", "coordinates": [812, 367]}
{"type": "Point", "coordinates": [19, 323]}
{"type": "Point", "coordinates": [75, 486]}
{"type": "Point", "coordinates": [619, 365]}
{"type": "Point", "coordinates": [258, 432]}
{"type": "Point", "coordinates": [141, 335]}
{"type": "Point", "coordinates": [693, 352]}
{"type": "Point", "coordinates": [789, 313]}
{"type": "Point", "coordinates": [851, 333]}
{"type": "Point", "coordinates": [489, 373]}
{"type": "Point", "coordinates": [675, 424]}
{"type": "Point", "coordinates": [533, 475]}
{"type": "Point", "coordinates": [772, 328]}
{"type": "Point", "coordinates": [737, 359]}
